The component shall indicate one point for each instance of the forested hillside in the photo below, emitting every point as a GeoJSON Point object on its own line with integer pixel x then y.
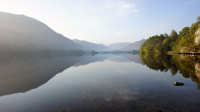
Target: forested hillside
{"type": "Point", "coordinates": [185, 41]}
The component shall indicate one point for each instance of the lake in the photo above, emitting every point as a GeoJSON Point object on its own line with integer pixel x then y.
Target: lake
{"type": "Point", "coordinates": [100, 83]}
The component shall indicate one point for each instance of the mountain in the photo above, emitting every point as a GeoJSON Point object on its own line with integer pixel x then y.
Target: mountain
{"type": "Point", "coordinates": [118, 46]}
{"type": "Point", "coordinates": [123, 46]}
{"type": "Point", "coordinates": [91, 46]}
{"type": "Point", "coordinates": [22, 34]}
{"type": "Point", "coordinates": [134, 46]}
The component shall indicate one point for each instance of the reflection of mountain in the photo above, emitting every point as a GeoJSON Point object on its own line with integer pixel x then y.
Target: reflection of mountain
{"type": "Point", "coordinates": [112, 57]}
{"type": "Point", "coordinates": [186, 65]}
{"type": "Point", "coordinates": [22, 75]}
{"type": "Point", "coordinates": [134, 58]}
{"type": "Point", "coordinates": [90, 59]}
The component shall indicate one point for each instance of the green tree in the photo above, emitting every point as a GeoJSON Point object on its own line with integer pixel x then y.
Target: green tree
{"type": "Point", "coordinates": [173, 36]}
{"type": "Point", "coordinates": [184, 40]}
{"type": "Point", "coordinates": [185, 31]}
{"type": "Point", "coordinates": [194, 28]}
{"type": "Point", "coordinates": [198, 18]}
{"type": "Point", "coordinates": [166, 44]}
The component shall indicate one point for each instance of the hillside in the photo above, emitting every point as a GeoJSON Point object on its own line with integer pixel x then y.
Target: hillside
{"type": "Point", "coordinates": [134, 46]}
{"type": "Point", "coordinates": [22, 34]}
{"type": "Point", "coordinates": [186, 41]}
{"type": "Point", "coordinates": [90, 46]}
{"type": "Point", "coordinates": [121, 46]}
{"type": "Point", "coordinates": [118, 46]}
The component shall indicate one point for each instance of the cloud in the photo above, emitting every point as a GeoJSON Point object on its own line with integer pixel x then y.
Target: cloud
{"type": "Point", "coordinates": [126, 9]}
{"type": "Point", "coordinates": [122, 8]}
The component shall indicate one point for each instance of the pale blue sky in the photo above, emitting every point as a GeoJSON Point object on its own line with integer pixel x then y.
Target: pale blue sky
{"type": "Point", "coordinates": [108, 21]}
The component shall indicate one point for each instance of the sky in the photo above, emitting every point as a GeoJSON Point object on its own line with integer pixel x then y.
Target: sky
{"type": "Point", "coordinates": [108, 21]}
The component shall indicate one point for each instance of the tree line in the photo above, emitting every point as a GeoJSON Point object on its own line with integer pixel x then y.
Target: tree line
{"type": "Point", "coordinates": [184, 39]}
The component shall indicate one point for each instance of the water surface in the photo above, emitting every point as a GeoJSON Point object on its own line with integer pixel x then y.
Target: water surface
{"type": "Point", "coordinates": [100, 83]}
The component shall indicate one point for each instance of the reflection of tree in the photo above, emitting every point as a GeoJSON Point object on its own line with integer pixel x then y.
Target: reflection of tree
{"type": "Point", "coordinates": [158, 62]}
{"type": "Point", "coordinates": [187, 65]}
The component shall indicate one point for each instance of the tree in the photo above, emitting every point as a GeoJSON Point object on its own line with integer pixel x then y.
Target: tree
{"type": "Point", "coordinates": [166, 35]}
{"type": "Point", "coordinates": [159, 44]}
{"type": "Point", "coordinates": [194, 28]}
{"type": "Point", "coordinates": [185, 31]}
{"type": "Point", "coordinates": [166, 44]}
{"type": "Point", "coordinates": [173, 35]}
{"type": "Point", "coordinates": [198, 18]}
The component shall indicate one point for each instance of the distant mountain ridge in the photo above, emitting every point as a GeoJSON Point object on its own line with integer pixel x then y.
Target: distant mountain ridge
{"type": "Point", "coordinates": [118, 46]}
{"type": "Point", "coordinates": [91, 46]}
{"type": "Point", "coordinates": [20, 33]}
{"type": "Point", "coordinates": [134, 46]}
{"type": "Point", "coordinates": [25, 35]}
{"type": "Point", "coordinates": [121, 46]}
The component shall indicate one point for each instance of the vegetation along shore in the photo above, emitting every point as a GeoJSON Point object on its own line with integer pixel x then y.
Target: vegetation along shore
{"type": "Point", "coordinates": [187, 41]}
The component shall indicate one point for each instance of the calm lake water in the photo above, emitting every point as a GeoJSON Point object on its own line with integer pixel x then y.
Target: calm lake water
{"type": "Point", "coordinates": [100, 83]}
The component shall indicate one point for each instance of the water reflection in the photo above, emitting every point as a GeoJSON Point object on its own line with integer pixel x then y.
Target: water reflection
{"type": "Point", "coordinates": [186, 65]}
{"type": "Point", "coordinates": [100, 83]}
{"type": "Point", "coordinates": [23, 74]}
